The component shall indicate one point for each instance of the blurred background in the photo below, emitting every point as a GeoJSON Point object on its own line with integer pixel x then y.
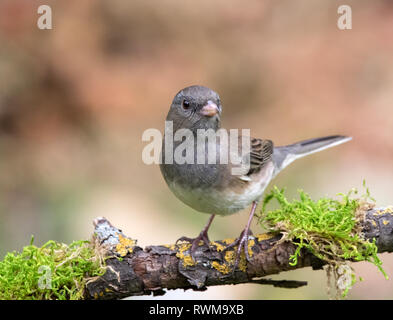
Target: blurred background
{"type": "Point", "coordinates": [75, 100]}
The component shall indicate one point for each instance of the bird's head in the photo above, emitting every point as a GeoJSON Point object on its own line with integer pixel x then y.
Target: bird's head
{"type": "Point", "coordinates": [195, 107]}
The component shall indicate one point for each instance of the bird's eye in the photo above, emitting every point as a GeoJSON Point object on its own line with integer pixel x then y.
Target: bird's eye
{"type": "Point", "coordinates": [186, 104]}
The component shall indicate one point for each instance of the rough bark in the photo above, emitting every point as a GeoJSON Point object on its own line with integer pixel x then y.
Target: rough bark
{"type": "Point", "coordinates": [155, 268]}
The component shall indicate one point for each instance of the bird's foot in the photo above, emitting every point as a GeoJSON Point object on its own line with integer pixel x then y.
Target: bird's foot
{"type": "Point", "coordinates": [196, 241]}
{"type": "Point", "coordinates": [242, 244]}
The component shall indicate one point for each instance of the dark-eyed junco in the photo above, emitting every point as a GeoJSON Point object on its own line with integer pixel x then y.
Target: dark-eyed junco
{"type": "Point", "coordinates": [213, 188]}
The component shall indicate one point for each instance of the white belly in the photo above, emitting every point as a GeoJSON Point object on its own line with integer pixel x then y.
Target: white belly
{"type": "Point", "coordinates": [214, 201]}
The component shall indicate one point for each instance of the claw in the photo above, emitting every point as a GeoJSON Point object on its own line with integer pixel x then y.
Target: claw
{"type": "Point", "coordinates": [242, 241]}
{"type": "Point", "coordinates": [242, 244]}
{"type": "Point", "coordinates": [195, 242]}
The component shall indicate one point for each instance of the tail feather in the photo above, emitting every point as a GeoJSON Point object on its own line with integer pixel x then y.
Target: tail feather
{"type": "Point", "coordinates": [283, 156]}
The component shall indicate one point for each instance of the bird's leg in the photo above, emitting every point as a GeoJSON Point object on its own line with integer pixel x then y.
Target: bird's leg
{"type": "Point", "coordinates": [242, 241]}
{"type": "Point", "coordinates": [202, 236]}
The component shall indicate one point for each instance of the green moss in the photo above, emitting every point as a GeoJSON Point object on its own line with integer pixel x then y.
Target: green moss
{"type": "Point", "coordinates": [329, 228]}
{"type": "Point", "coordinates": [53, 271]}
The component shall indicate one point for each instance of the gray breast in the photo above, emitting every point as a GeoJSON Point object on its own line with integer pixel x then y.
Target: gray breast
{"type": "Point", "coordinates": [210, 188]}
{"type": "Point", "coordinates": [197, 173]}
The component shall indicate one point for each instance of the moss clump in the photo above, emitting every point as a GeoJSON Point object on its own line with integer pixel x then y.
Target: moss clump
{"type": "Point", "coordinates": [53, 271]}
{"type": "Point", "coordinates": [329, 228]}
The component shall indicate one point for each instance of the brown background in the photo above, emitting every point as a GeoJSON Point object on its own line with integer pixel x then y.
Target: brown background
{"type": "Point", "coordinates": [75, 100]}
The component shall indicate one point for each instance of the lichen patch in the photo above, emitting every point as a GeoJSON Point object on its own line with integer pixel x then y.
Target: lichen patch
{"type": "Point", "coordinates": [125, 245]}
{"type": "Point", "coordinates": [181, 253]}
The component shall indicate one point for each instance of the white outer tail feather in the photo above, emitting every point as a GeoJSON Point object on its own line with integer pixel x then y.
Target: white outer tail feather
{"type": "Point", "coordinates": [292, 156]}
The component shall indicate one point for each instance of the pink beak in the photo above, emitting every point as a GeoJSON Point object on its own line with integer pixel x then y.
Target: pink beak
{"type": "Point", "coordinates": [210, 109]}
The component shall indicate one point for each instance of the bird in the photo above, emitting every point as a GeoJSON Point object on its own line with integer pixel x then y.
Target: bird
{"type": "Point", "coordinates": [211, 187]}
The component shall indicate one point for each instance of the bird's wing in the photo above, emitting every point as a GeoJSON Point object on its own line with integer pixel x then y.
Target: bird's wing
{"type": "Point", "coordinates": [254, 157]}
{"type": "Point", "coordinates": [260, 154]}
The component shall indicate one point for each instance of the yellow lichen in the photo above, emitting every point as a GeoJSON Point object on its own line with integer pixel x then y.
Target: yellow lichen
{"type": "Point", "coordinates": [229, 259]}
{"type": "Point", "coordinates": [264, 236]}
{"type": "Point", "coordinates": [222, 268]}
{"type": "Point", "coordinates": [125, 245]}
{"type": "Point", "coordinates": [228, 240]}
{"type": "Point", "coordinates": [186, 258]}
{"type": "Point", "coordinates": [385, 222]}
{"type": "Point", "coordinates": [243, 262]}
{"type": "Point", "coordinates": [389, 210]}
{"type": "Point", "coordinates": [219, 246]}
{"type": "Point", "coordinates": [227, 266]}
{"type": "Point", "coordinates": [374, 223]}
{"type": "Point", "coordinates": [249, 247]}
{"type": "Point", "coordinates": [188, 261]}
{"type": "Point", "coordinates": [170, 246]}
{"type": "Point", "coordinates": [384, 211]}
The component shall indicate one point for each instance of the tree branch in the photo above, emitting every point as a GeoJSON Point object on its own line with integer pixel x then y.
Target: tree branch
{"type": "Point", "coordinates": [132, 270]}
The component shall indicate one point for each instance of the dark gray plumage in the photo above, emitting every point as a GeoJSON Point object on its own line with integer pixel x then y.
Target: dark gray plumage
{"type": "Point", "coordinates": [212, 188]}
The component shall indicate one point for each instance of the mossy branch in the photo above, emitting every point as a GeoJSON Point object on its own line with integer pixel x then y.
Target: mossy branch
{"type": "Point", "coordinates": [112, 266]}
{"type": "Point", "coordinates": [156, 268]}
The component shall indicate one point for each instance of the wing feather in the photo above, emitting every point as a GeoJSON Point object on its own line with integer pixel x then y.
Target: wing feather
{"type": "Point", "coordinates": [261, 153]}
